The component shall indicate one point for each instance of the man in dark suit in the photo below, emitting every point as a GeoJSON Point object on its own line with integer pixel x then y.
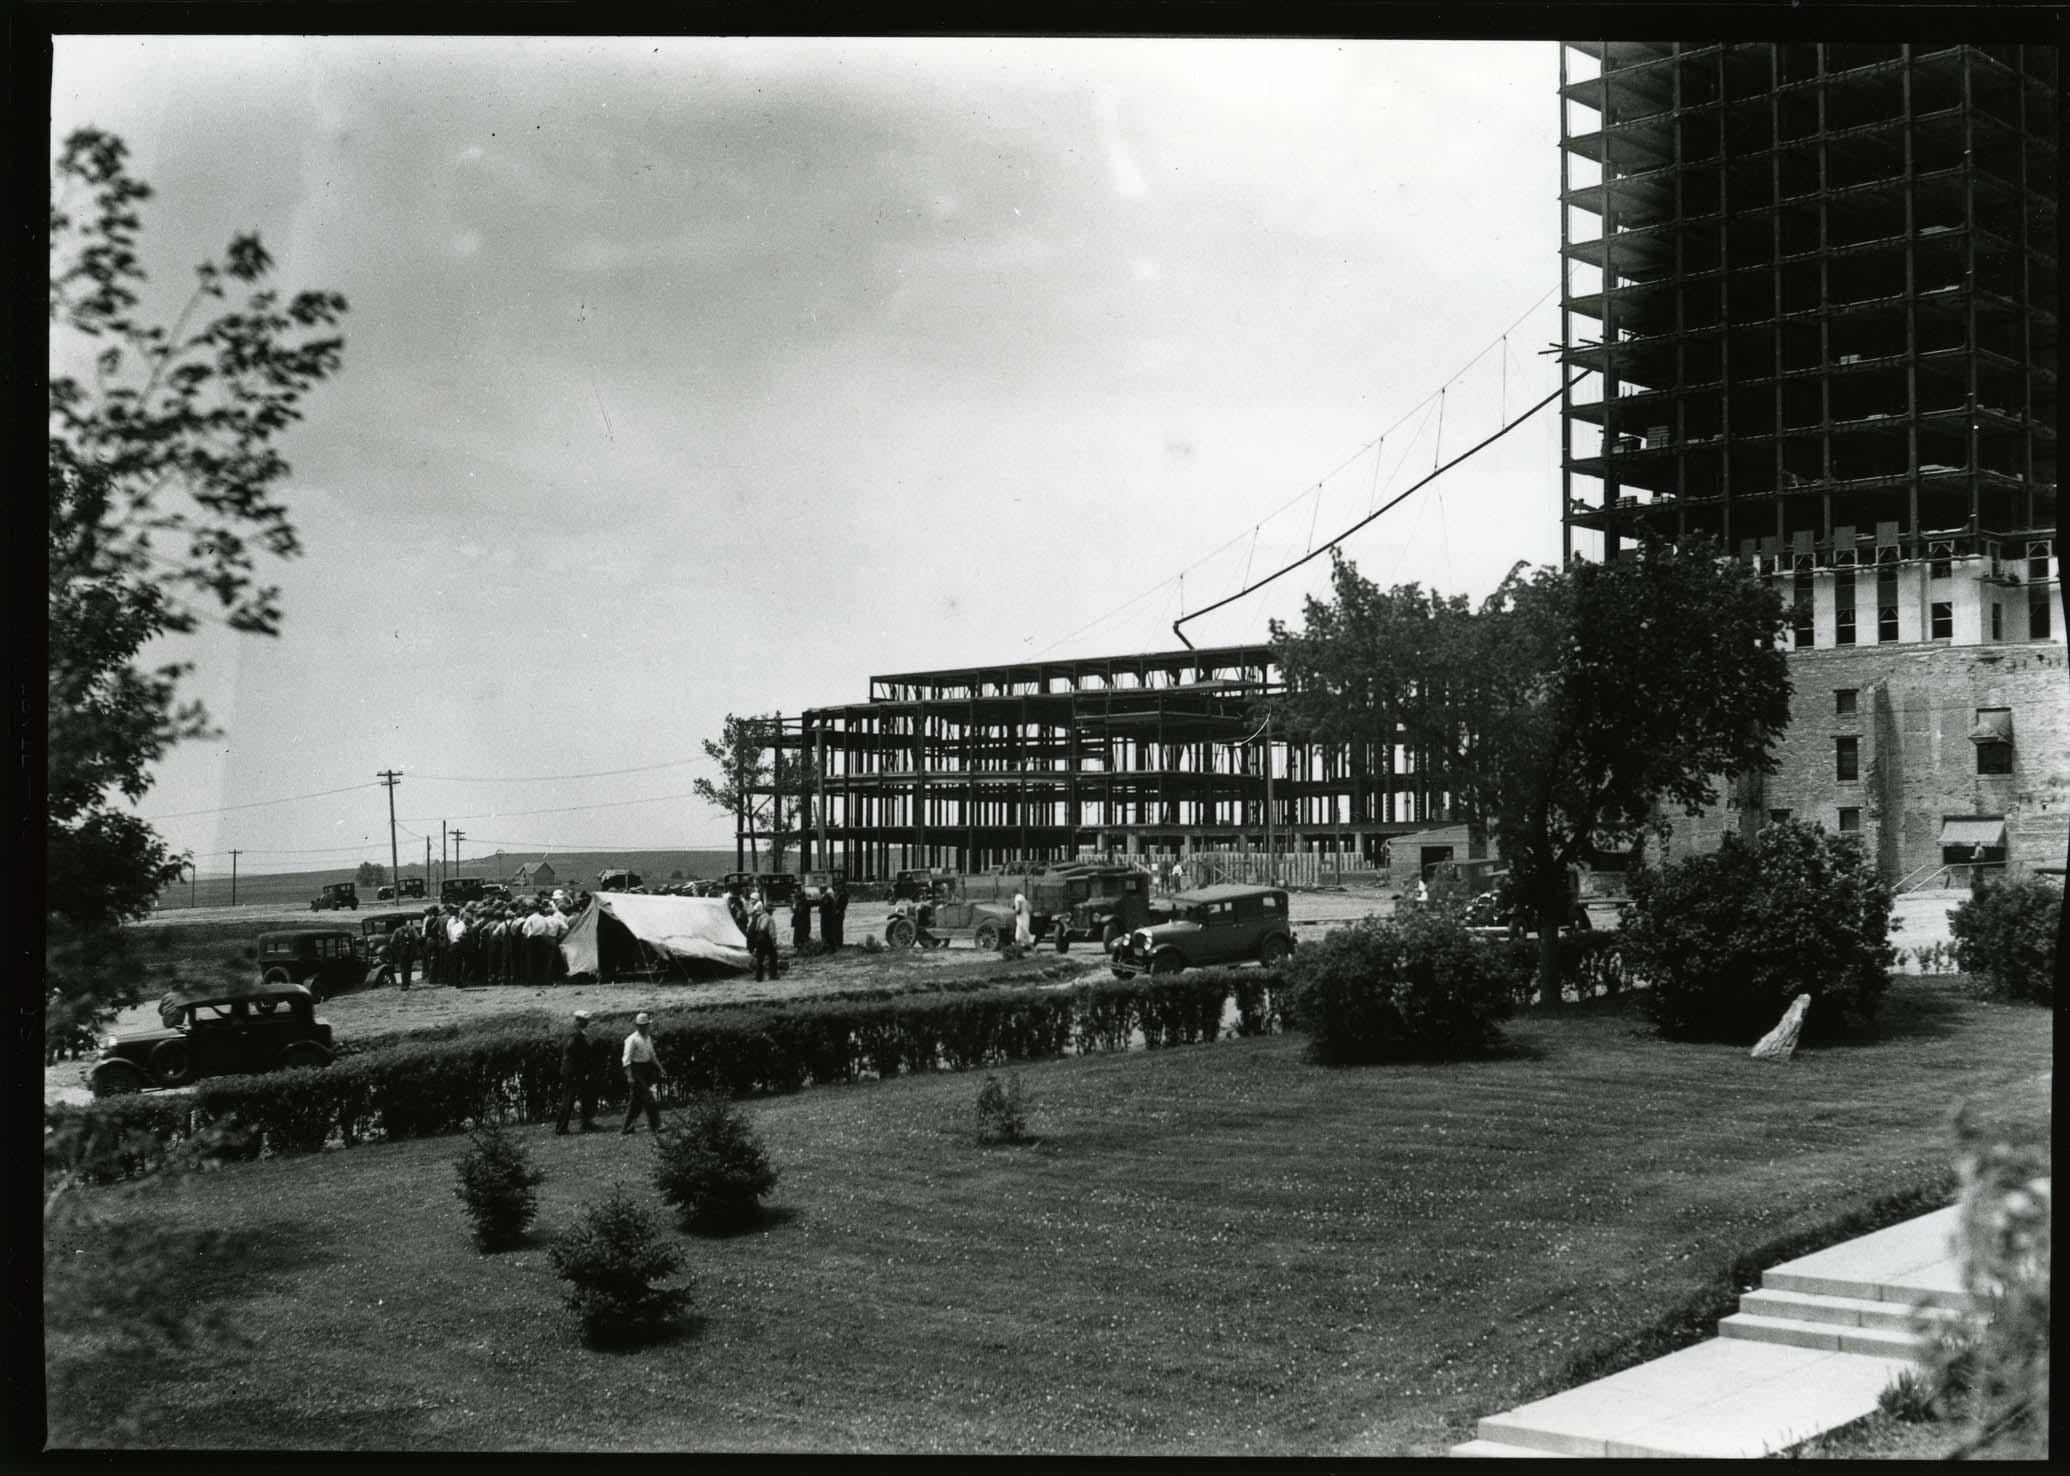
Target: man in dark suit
{"type": "Point", "coordinates": [578, 1076]}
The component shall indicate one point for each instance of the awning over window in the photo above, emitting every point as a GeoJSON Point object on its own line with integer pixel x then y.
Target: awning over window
{"type": "Point", "coordinates": [1985, 833]}
{"type": "Point", "coordinates": [1994, 725]}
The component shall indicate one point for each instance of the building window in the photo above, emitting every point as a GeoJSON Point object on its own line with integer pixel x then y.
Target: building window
{"type": "Point", "coordinates": [1844, 699]}
{"type": "Point", "coordinates": [1943, 627]}
{"type": "Point", "coordinates": [1800, 610]}
{"type": "Point", "coordinates": [1847, 759]}
{"type": "Point", "coordinates": [1993, 736]}
{"type": "Point", "coordinates": [1997, 621]}
{"type": "Point", "coordinates": [1843, 608]}
{"type": "Point", "coordinates": [1886, 604]}
{"type": "Point", "coordinates": [1776, 817]}
{"type": "Point", "coordinates": [1940, 559]}
{"type": "Point", "coordinates": [2037, 558]}
{"type": "Point", "coordinates": [2037, 616]}
{"type": "Point", "coordinates": [1850, 820]}
{"type": "Point", "coordinates": [1994, 758]}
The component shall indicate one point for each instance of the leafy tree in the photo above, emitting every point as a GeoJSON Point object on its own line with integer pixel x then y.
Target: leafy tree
{"type": "Point", "coordinates": [745, 781]}
{"type": "Point", "coordinates": [1568, 712]}
{"type": "Point", "coordinates": [163, 491]}
{"type": "Point", "coordinates": [371, 874]}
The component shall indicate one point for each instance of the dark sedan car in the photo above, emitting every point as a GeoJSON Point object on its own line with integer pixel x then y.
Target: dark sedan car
{"type": "Point", "coordinates": [216, 1032]}
{"type": "Point", "coordinates": [1215, 925]}
{"type": "Point", "coordinates": [326, 960]}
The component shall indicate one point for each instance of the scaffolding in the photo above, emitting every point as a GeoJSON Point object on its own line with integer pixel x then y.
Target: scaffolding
{"type": "Point", "coordinates": [1126, 755]}
{"type": "Point", "coordinates": [1820, 297]}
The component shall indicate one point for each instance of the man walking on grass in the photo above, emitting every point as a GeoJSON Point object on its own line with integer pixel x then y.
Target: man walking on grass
{"type": "Point", "coordinates": [578, 1077]}
{"type": "Point", "coordinates": [642, 1073]}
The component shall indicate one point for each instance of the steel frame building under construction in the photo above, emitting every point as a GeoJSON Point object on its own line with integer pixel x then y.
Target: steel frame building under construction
{"type": "Point", "coordinates": [1158, 752]}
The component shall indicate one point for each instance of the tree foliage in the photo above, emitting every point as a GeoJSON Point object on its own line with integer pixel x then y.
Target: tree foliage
{"type": "Point", "coordinates": [1571, 711]}
{"type": "Point", "coordinates": [743, 754]}
{"type": "Point", "coordinates": [164, 476]}
{"type": "Point", "coordinates": [370, 874]}
{"type": "Point", "coordinates": [2007, 935]}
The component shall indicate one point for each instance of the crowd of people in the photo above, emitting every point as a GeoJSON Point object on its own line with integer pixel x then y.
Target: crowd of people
{"type": "Point", "coordinates": [514, 942]}
{"type": "Point", "coordinates": [517, 941]}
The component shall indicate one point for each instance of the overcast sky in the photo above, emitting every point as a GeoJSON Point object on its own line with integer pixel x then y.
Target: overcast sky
{"type": "Point", "coordinates": [686, 377]}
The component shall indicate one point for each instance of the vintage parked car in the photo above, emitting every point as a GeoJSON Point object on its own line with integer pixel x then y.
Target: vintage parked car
{"type": "Point", "coordinates": [461, 889]}
{"type": "Point", "coordinates": [216, 1031]}
{"type": "Point", "coordinates": [618, 879]}
{"type": "Point", "coordinates": [336, 895]}
{"type": "Point", "coordinates": [326, 961]}
{"type": "Point", "coordinates": [966, 907]}
{"type": "Point", "coordinates": [1496, 914]}
{"type": "Point", "coordinates": [412, 886]}
{"type": "Point", "coordinates": [906, 886]}
{"type": "Point", "coordinates": [1094, 900]}
{"type": "Point", "coordinates": [373, 946]}
{"type": "Point", "coordinates": [777, 887]}
{"type": "Point", "coordinates": [1215, 925]}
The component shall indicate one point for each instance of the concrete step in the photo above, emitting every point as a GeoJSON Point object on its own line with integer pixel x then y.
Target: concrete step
{"type": "Point", "coordinates": [1496, 1450]}
{"type": "Point", "coordinates": [1848, 1311]}
{"type": "Point", "coordinates": [1833, 1337]}
{"type": "Point", "coordinates": [1726, 1397]}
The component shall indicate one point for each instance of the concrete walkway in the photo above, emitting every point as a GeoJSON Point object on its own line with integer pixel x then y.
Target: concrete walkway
{"type": "Point", "coordinates": [1807, 1352]}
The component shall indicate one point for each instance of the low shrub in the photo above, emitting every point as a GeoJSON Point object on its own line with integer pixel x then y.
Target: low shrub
{"type": "Point", "coordinates": [497, 1184]}
{"type": "Point", "coordinates": [1419, 986]}
{"type": "Point", "coordinates": [712, 1167]}
{"type": "Point", "coordinates": [2005, 937]}
{"type": "Point", "coordinates": [611, 1261]}
{"type": "Point", "coordinates": [1002, 1111]}
{"type": "Point", "coordinates": [436, 1082]}
{"type": "Point", "coordinates": [1909, 1398]}
{"type": "Point", "coordinates": [1728, 939]}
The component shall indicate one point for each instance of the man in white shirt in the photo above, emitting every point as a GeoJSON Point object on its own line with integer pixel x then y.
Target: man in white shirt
{"type": "Point", "coordinates": [643, 1073]}
{"type": "Point", "coordinates": [456, 932]}
{"type": "Point", "coordinates": [1023, 934]}
{"type": "Point", "coordinates": [536, 968]}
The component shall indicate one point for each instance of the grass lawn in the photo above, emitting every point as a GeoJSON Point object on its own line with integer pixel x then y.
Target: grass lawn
{"type": "Point", "coordinates": [1209, 1249]}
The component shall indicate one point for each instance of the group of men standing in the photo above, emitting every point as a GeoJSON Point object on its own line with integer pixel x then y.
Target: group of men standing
{"type": "Point", "coordinates": [757, 924]}
{"type": "Point", "coordinates": [483, 943]}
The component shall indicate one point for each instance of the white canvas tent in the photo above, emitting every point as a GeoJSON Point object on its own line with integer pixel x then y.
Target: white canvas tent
{"type": "Point", "coordinates": [621, 932]}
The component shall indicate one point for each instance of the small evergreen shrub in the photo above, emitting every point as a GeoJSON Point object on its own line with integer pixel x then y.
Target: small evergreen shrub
{"type": "Point", "coordinates": [497, 1180]}
{"type": "Point", "coordinates": [1002, 1111]}
{"type": "Point", "coordinates": [611, 1262]}
{"type": "Point", "coordinates": [1414, 987]}
{"type": "Point", "coordinates": [2005, 938]}
{"type": "Point", "coordinates": [1728, 939]}
{"type": "Point", "coordinates": [712, 1167]}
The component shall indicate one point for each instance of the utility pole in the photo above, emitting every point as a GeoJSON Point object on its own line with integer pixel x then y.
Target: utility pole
{"type": "Point", "coordinates": [427, 870]}
{"type": "Point", "coordinates": [1271, 859]}
{"type": "Point", "coordinates": [458, 865]}
{"type": "Point", "coordinates": [233, 876]}
{"type": "Point", "coordinates": [190, 885]}
{"type": "Point", "coordinates": [389, 779]}
{"type": "Point", "coordinates": [441, 853]}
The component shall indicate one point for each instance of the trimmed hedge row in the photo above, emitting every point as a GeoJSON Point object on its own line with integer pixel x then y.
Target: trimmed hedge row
{"type": "Point", "coordinates": [424, 1088]}
{"type": "Point", "coordinates": [1591, 963]}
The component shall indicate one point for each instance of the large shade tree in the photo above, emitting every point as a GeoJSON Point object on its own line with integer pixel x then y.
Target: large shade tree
{"type": "Point", "coordinates": [753, 789]}
{"type": "Point", "coordinates": [164, 483]}
{"type": "Point", "coordinates": [1574, 709]}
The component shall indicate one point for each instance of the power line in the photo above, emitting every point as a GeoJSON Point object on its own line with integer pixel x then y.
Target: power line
{"type": "Point", "coordinates": [552, 778]}
{"type": "Point", "coordinates": [261, 804]}
{"type": "Point", "coordinates": [1297, 563]}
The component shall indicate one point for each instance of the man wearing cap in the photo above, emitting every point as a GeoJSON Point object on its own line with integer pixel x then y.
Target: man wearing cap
{"type": "Point", "coordinates": [537, 969]}
{"type": "Point", "coordinates": [642, 1073]}
{"type": "Point", "coordinates": [578, 1076]}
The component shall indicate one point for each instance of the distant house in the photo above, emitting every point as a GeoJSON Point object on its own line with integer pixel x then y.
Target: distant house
{"type": "Point", "coordinates": [534, 874]}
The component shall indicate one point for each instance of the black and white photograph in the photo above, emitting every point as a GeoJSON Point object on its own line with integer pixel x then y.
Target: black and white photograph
{"type": "Point", "coordinates": [1081, 744]}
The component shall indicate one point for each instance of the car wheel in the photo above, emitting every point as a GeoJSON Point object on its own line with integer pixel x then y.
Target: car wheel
{"type": "Point", "coordinates": [1167, 963]}
{"type": "Point", "coordinates": [1273, 951]}
{"type": "Point", "coordinates": [116, 1079]}
{"type": "Point", "coordinates": [1110, 932]}
{"type": "Point", "coordinates": [988, 937]}
{"type": "Point", "coordinates": [277, 975]}
{"type": "Point", "coordinates": [899, 934]}
{"type": "Point", "coordinates": [304, 1053]}
{"type": "Point", "coordinates": [172, 1062]}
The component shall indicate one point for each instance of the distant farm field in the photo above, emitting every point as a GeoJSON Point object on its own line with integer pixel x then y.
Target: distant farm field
{"type": "Point", "coordinates": [1209, 1249]}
